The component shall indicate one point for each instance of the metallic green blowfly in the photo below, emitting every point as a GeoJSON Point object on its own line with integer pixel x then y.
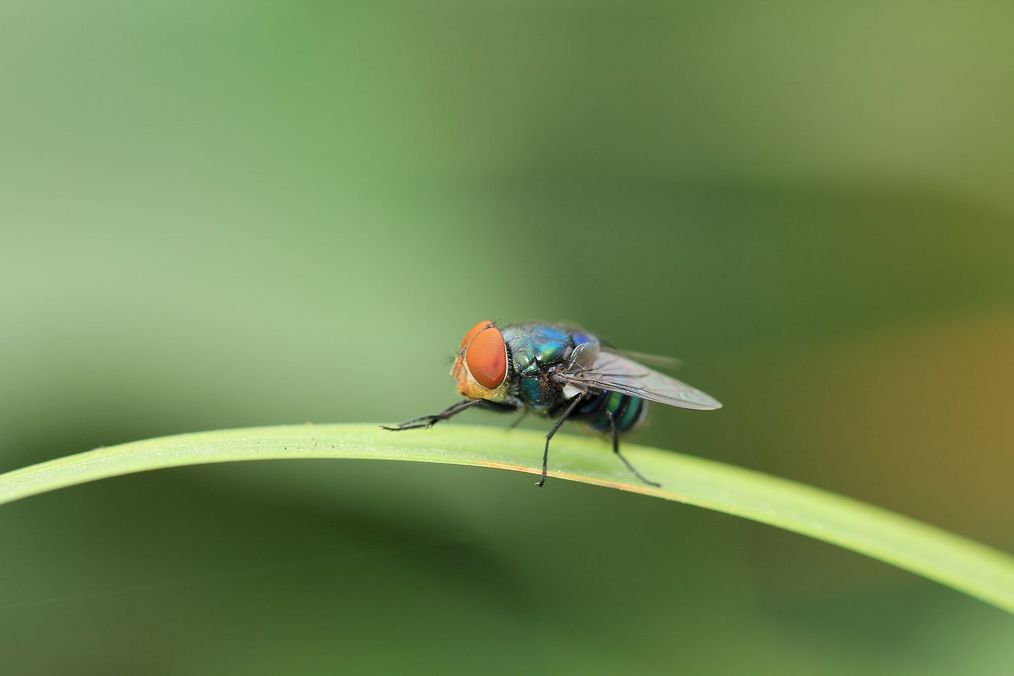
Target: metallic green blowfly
{"type": "Point", "coordinates": [562, 373]}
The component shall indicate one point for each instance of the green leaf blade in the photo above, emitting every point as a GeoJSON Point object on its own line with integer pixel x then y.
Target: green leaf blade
{"type": "Point", "coordinates": [962, 564]}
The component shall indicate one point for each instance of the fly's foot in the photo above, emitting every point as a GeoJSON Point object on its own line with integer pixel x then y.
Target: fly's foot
{"type": "Point", "coordinates": [428, 421]}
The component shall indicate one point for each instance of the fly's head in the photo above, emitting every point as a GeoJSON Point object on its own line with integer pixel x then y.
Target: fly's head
{"type": "Point", "coordinates": [480, 368]}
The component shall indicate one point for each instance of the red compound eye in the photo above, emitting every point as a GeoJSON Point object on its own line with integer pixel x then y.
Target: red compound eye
{"type": "Point", "coordinates": [486, 357]}
{"type": "Point", "coordinates": [473, 332]}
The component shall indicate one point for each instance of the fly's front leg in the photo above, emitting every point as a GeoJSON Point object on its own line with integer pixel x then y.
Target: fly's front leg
{"type": "Point", "coordinates": [426, 421]}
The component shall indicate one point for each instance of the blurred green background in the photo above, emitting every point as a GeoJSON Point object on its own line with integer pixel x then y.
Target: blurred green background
{"type": "Point", "coordinates": [219, 214]}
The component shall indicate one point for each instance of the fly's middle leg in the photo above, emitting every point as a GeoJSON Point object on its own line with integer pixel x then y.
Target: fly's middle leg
{"type": "Point", "coordinates": [517, 421]}
{"type": "Point", "coordinates": [549, 435]}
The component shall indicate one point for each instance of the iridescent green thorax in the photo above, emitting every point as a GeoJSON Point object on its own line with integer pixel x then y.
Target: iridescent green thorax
{"type": "Point", "coordinates": [533, 349]}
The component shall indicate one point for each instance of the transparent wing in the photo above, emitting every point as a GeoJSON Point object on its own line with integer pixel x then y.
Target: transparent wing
{"type": "Point", "coordinates": [609, 371]}
{"type": "Point", "coordinates": [659, 361]}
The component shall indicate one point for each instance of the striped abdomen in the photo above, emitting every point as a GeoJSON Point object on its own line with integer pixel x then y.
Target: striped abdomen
{"type": "Point", "coordinates": [627, 411]}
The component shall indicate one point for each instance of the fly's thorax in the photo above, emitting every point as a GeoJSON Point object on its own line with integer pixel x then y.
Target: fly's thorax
{"type": "Point", "coordinates": [535, 351]}
{"type": "Point", "coordinates": [539, 391]}
{"type": "Point", "coordinates": [534, 347]}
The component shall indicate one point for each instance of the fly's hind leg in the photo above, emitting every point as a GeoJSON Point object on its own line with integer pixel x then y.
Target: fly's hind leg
{"type": "Point", "coordinates": [425, 421]}
{"type": "Point", "coordinates": [616, 450]}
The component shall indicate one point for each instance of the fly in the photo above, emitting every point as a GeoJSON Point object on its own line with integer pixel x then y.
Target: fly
{"type": "Point", "coordinates": [562, 373]}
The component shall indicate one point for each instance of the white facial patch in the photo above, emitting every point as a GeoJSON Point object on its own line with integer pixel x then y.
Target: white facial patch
{"type": "Point", "coordinates": [569, 391]}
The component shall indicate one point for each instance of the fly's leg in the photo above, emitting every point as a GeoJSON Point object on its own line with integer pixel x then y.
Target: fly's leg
{"type": "Point", "coordinates": [616, 450]}
{"type": "Point", "coordinates": [517, 421]}
{"type": "Point", "coordinates": [549, 435]}
{"type": "Point", "coordinates": [426, 421]}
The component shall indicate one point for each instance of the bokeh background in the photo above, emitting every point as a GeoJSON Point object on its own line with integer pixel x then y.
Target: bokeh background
{"type": "Point", "coordinates": [219, 214]}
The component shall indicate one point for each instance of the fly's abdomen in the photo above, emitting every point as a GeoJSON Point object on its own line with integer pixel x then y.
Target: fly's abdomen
{"type": "Point", "coordinates": [626, 411]}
